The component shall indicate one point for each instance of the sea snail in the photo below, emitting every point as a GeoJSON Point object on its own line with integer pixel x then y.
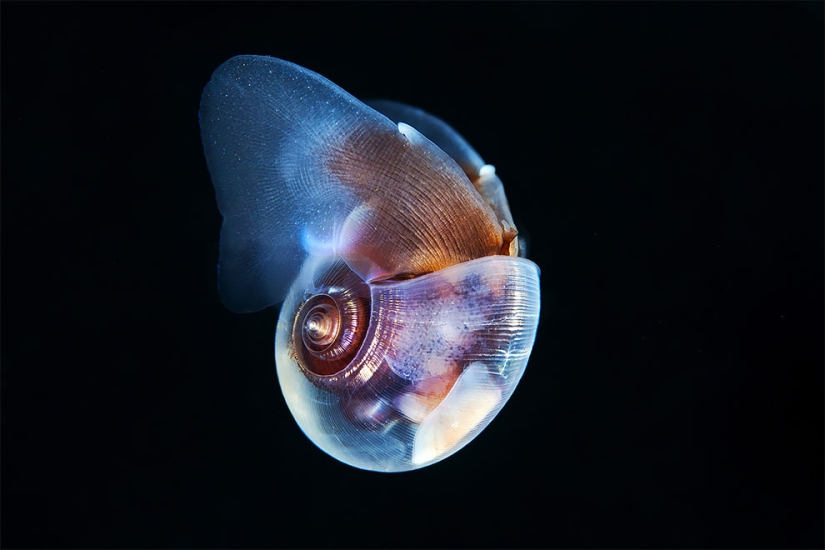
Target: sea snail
{"type": "Point", "coordinates": [408, 312]}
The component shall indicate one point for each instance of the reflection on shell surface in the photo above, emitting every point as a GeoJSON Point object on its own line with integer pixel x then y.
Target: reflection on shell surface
{"type": "Point", "coordinates": [408, 311]}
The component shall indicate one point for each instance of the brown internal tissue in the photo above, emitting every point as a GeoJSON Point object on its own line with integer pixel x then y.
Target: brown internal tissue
{"type": "Point", "coordinates": [420, 213]}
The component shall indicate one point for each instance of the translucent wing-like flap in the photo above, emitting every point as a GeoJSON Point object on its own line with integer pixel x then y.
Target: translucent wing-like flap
{"type": "Point", "coordinates": [418, 212]}
{"type": "Point", "coordinates": [302, 168]}
{"type": "Point", "coordinates": [483, 176]}
{"type": "Point", "coordinates": [436, 130]}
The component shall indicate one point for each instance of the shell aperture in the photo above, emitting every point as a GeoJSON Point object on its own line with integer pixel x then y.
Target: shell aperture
{"type": "Point", "coordinates": [408, 315]}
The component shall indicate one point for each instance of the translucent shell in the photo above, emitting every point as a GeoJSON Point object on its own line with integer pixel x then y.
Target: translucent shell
{"type": "Point", "coordinates": [442, 353]}
{"type": "Point", "coordinates": [408, 314]}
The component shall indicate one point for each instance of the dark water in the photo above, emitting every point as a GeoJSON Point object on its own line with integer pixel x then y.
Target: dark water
{"type": "Point", "coordinates": [666, 160]}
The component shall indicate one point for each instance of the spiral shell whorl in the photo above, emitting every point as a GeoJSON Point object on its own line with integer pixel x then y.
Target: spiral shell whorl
{"type": "Point", "coordinates": [328, 331]}
{"type": "Point", "coordinates": [330, 323]}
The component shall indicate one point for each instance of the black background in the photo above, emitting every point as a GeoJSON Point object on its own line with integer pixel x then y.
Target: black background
{"type": "Point", "coordinates": [665, 159]}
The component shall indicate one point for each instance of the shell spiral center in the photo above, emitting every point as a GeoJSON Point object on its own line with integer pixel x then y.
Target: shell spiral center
{"type": "Point", "coordinates": [322, 325]}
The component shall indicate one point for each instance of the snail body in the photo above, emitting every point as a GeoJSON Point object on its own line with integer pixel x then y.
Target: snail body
{"type": "Point", "coordinates": [408, 314]}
